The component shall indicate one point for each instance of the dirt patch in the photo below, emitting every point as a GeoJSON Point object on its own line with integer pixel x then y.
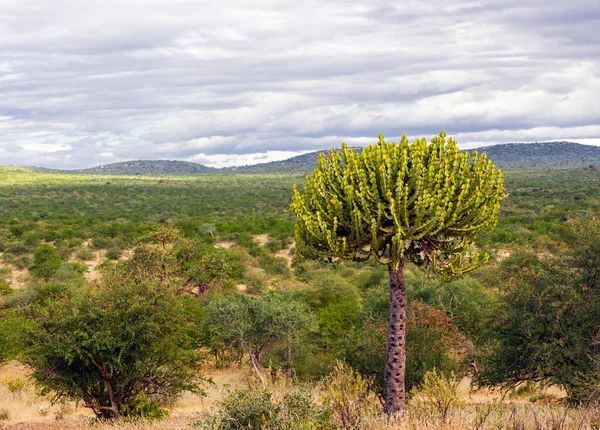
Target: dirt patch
{"type": "Point", "coordinates": [287, 254]}
{"type": "Point", "coordinates": [502, 254]}
{"type": "Point", "coordinates": [224, 245]}
{"type": "Point", "coordinates": [17, 277]}
{"type": "Point", "coordinates": [262, 239]}
{"type": "Point", "coordinates": [28, 411]}
{"type": "Point", "coordinates": [93, 273]}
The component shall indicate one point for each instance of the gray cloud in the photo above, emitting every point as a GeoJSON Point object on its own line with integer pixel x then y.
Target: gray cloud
{"type": "Point", "coordinates": [92, 82]}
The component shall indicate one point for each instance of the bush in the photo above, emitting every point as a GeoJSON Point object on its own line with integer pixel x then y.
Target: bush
{"type": "Point", "coordinates": [432, 341]}
{"type": "Point", "coordinates": [546, 328]}
{"type": "Point", "coordinates": [85, 255]}
{"type": "Point", "coordinates": [245, 408]}
{"type": "Point", "coordinates": [277, 405]}
{"type": "Point", "coordinates": [113, 253]}
{"type": "Point", "coordinates": [239, 324]}
{"type": "Point", "coordinates": [46, 262]}
{"type": "Point", "coordinates": [145, 408]}
{"type": "Point", "coordinates": [350, 397]}
{"type": "Point", "coordinates": [438, 397]}
{"type": "Point", "coordinates": [111, 344]}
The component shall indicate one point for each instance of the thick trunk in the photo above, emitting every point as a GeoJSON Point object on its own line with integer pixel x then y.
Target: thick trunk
{"type": "Point", "coordinates": [395, 366]}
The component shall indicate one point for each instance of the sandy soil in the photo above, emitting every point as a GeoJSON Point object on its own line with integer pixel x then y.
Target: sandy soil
{"type": "Point", "coordinates": [27, 411]}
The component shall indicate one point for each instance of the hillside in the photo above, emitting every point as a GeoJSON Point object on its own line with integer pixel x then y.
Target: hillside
{"type": "Point", "coordinates": [147, 167]}
{"type": "Point", "coordinates": [300, 163]}
{"type": "Point", "coordinates": [27, 169]}
{"type": "Point", "coordinates": [508, 156]}
{"type": "Point", "coordinates": [543, 155]}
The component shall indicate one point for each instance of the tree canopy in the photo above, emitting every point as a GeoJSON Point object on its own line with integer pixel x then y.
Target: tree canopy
{"type": "Point", "coordinates": [424, 202]}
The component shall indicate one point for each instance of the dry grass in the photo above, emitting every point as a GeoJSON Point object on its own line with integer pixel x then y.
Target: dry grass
{"type": "Point", "coordinates": [26, 410]}
{"type": "Point", "coordinates": [501, 416]}
{"type": "Point", "coordinates": [477, 411]}
{"type": "Point", "coordinates": [18, 278]}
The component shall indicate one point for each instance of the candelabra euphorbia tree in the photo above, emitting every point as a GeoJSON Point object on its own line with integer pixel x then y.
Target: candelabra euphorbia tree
{"type": "Point", "coordinates": [397, 202]}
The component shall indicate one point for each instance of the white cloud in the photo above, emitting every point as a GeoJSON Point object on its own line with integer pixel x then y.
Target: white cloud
{"type": "Point", "coordinates": [225, 160]}
{"type": "Point", "coordinates": [233, 81]}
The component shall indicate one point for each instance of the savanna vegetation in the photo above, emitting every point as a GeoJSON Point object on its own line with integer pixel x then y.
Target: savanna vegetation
{"type": "Point", "coordinates": [123, 295]}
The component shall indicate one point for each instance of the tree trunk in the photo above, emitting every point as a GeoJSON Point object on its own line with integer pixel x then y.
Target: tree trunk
{"type": "Point", "coordinates": [255, 359]}
{"type": "Point", "coordinates": [395, 366]}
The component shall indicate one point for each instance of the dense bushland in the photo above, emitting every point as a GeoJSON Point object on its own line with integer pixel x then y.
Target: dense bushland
{"type": "Point", "coordinates": [182, 256]}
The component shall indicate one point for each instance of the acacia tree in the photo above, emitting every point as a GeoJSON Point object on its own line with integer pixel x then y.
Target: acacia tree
{"type": "Point", "coordinates": [399, 202]}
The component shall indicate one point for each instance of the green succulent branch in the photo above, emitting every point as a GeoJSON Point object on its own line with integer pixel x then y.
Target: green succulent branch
{"type": "Point", "coordinates": [422, 202]}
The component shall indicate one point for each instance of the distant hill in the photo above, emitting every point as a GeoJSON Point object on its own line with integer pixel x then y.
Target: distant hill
{"type": "Point", "coordinates": [17, 168]}
{"type": "Point", "coordinates": [543, 155]}
{"type": "Point", "coordinates": [300, 163]}
{"type": "Point", "coordinates": [147, 167]}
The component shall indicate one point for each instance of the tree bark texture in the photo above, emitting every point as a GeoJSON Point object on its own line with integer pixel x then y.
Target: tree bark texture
{"type": "Point", "coordinates": [395, 367]}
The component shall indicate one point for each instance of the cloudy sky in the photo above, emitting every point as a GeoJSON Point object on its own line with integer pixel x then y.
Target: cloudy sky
{"type": "Point", "coordinates": [229, 82]}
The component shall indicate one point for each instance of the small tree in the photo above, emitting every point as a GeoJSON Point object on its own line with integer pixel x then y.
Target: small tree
{"type": "Point", "coordinates": [419, 202]}
{"type": "Point", "coordinates": [112, 346]}
{"type": "Point", "coordinates": [46, 262]}
{"type": "Point", "coordinates": [547, 328]}
{"type": "Point", "coordinates": [256, 326]}
{"type": "Point", "coordinates": [183, 265]}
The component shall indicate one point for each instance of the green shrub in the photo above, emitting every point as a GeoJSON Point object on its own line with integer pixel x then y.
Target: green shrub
{"type": "Point", "coordinates": [101, 242]}
{"type": "Point", "coordinates": [277, 405]}
{"type": "Point", "coordinates": [46, 262]}
{"type": "Point", "coordinates": [113, 253]}
{"type": "Point", "coordinates": [438, 398]}
{"type": "Point", "coordinates": [123, 338]}
{"type": "Point", "coordinates": [85, 255]}
{"type": "Point", "coordinates": [350, 398]}
{"type": "Point", "coordinates": [546, 327]}
{"type": "Point", "coordinates": [145, 408]}
{"type": "Point", "coordinates": [246, 408]}
{"type": "Point", "coordinates": [5, 288]}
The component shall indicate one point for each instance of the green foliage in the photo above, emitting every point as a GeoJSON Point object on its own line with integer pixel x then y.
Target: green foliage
{"type": "Point", "coordinates": [248, 409]}
{"type": "Point", "coordinates": [272, 407]}
{"type": "Point", "coordinates": [238, 324]}
{"type": "Point", "coordinates": [424, 202]}
{"type": "Point", "coordinates": [432, 342]}
{"type": "Point", "coordinates": [350, 398]}
{"type": "Point", "coordinates": [183, 265]}
{"type": "Point", "coordinates": [467, 302]}
{"type": "Point", "coordinates": [113, 253]}
{"type": "Point", "coordinates": [335, 302]}
{"type": "Point", "coordinates": [46, 262]}
{"type": "Point", "coordinates": [145, 408]}
{"type": "Point", "coordinates": [438, 396]}
{"type": "Point", "coordinates": [108, 345]}
{"type": "Point", "coordinates": [546, 328]}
